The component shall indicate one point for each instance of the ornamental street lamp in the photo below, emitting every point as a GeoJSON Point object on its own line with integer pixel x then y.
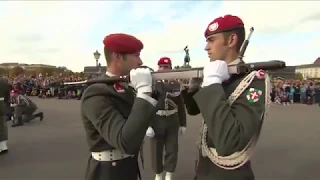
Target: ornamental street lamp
{"type": "Point", "coordinates": [97, 57]}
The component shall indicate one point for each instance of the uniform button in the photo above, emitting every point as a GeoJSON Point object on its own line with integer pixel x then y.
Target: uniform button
{"type": "Point", "coordinates": [114, 163]}
{"type": "Point", "coordinates": [111, 159]}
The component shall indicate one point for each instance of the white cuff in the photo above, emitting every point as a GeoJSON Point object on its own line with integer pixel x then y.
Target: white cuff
{"type": "Point", "coordinates": [211, 80]}
{"type": "Point", "coordinates": [144, 89]}
{"type": "Point", "coordinates": [147, 98]}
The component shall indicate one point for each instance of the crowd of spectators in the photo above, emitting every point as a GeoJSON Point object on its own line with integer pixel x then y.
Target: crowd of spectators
{"type": "Point", "coordinates": [284, 92]}
{"type": "Point", "coordinates": [47, 86]}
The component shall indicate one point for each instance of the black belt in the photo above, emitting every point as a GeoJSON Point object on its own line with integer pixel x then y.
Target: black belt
{"type": "Point", "coordinates": [166, 109]}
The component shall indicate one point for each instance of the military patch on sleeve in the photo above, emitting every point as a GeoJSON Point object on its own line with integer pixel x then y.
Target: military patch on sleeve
{"type": "Point", "coordinates": [253, 95]}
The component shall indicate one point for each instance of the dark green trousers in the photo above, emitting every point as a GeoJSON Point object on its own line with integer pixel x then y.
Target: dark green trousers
{"type": "Point", "coordinates": [26, 113]}
{"type": "Point", "coordinates": [164, 146]}
{"type": "Point", "coordinates": [3, 123]}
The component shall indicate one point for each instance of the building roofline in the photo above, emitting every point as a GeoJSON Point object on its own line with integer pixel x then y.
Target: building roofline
{"type": "Point", "coordinates": [307, 66]}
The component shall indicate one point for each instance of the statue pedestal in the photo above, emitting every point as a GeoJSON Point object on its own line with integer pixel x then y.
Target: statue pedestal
{"type": "Point", "coordinates": [185, 66]}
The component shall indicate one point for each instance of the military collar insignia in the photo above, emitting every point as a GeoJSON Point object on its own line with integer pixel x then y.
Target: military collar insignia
{"type": "Point", "coordinates": [119, 88]}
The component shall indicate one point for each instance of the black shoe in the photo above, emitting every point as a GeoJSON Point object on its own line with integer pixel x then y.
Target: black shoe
{"type": "Point", "coordinates": [41, 116]}
{"type": "Point", "coordinates": [4, 152]}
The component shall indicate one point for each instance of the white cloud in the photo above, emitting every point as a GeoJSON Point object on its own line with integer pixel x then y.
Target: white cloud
{"type": "Point", "coordinates": [49, 32]}
{"type": "Point", "coordinates": [285, 18]}
{"type": "Point", "coordinates": [59, 32]}
{"type": "Point", "coordinates": [316, 42]}
{"type": "Point", "coordinates": [268, 18]}
{"type": "Point", "coordinates": [179, 32]}
{"type": "Point", "coordinates": [161, 10]}
{"type": "Point", "coordinates": [276, 16]}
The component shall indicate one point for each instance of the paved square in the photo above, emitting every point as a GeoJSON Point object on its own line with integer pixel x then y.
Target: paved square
{"type": "Point", "coordinates": [55, 149]}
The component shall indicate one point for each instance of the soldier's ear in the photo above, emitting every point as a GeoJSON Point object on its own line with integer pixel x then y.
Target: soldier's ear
{"type": "Point", "coordinates": [119, 57]}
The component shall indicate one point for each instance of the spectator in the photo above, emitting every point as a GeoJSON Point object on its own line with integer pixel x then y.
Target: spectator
{"type": "Point", "coordinates": [283, 91]}
{"type": "Point", "coordinates": [47, 87]}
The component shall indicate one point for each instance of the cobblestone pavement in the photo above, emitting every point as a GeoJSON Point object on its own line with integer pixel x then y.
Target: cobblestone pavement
{"type": "Point", "coordinates": [55, 149]}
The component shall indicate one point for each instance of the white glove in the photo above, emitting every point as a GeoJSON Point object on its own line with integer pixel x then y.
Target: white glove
{"type": "Point", "coordinates": [182, 130]}
{"type": "Point", "coordinates": [215, 72]}
{"type": "Point", "coordinates": [150, 132]}
{"type": "Point", "coordinates": [141, 80]}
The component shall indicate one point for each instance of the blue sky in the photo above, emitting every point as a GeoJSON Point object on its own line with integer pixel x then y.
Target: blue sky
{"type": "Point", "coordinates": [67, 33]}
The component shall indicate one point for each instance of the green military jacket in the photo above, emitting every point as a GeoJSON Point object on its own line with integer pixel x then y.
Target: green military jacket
{"type": "Point", "coordinates": [230, 128]}
{"type": "Point", "coordinates": [5, 95]}
{"type": "Point", "coordinates": [4, 104]}
{"type": "Point", "coordinates": [112, 118]}
{"type": "Point", "coordinates": [170, 98]}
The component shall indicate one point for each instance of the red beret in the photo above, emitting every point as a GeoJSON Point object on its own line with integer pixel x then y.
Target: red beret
{"type": "Point", "coordinates": [15, 91]}
{"type": "Point", "coordinates": [223, 24]}
{"type": "Point", "coordinates": [122, 43]}
{"type": "Point", "coordinates": [164, 60]}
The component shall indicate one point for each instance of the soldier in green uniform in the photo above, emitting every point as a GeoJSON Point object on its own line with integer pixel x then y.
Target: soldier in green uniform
{"type": "Point", "coordinates": [112, 113]}
{"type": "Point", "coordinates": [170, 121]}
{"type": "Point", "coordinates": [4, 103]}
{"type": "Point", "coordinates": [232, 106]}
{"type": "Point", "coordinates": [24, 109]}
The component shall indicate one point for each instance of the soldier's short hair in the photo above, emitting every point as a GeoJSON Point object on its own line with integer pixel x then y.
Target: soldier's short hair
{"type": "Point", "coordinates": [240, 32]}
{"type": "Point", "coordinates": [108, 55]}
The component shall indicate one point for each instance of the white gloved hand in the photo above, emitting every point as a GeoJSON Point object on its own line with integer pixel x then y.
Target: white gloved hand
{"type": "Point", "coordinates": [150, 132]}
{"type": "Point", "coordinates": [182, 130]}
{"type": "Point", "coordinates": [215, 72]}
{"type": "Point", "coordinates": [141, 80]}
